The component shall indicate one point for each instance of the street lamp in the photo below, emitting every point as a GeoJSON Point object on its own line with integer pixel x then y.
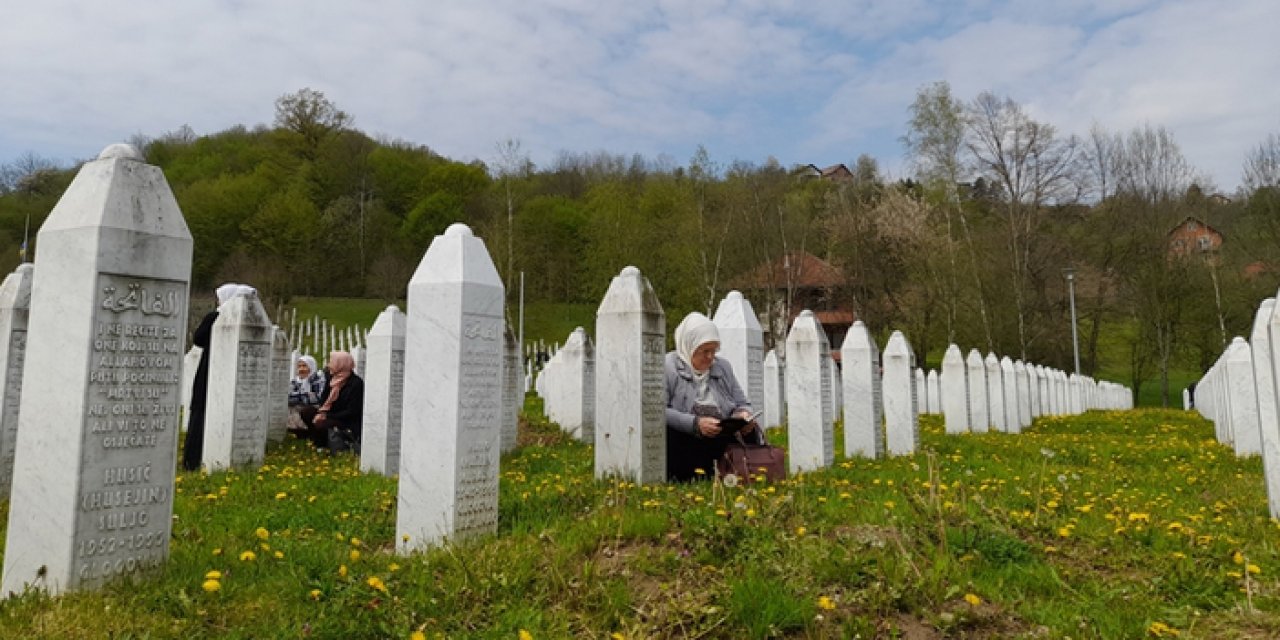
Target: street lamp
{"type": "Point", "coordinates": [1070, 274]}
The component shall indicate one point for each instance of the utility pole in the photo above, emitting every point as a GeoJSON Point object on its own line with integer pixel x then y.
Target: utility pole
{"type": "Point", "coordinates": [1070, 274]}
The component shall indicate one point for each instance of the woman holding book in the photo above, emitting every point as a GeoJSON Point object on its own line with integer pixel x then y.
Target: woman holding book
{"type": "Point", "coordinates": [701, 392]}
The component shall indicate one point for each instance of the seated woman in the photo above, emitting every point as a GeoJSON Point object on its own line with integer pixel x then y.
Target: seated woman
{"type": "Point", "coordinates": [701, 391]}
{"type": "Point", "coordinates": [304, 394]}
{"type": "Point", "coordinates": [337, 424]}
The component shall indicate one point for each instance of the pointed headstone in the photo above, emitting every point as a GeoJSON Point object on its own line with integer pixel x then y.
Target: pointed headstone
{"type": "Point", "coordinates": [576, 395]}
{"type": "Point", "coordinates": [995, 394]}
{"type": "Point", "coordinates": [282, 369]}
{"type": "Point", "coordinates": [108, 323]}
{"type": "Point", "coordinates": [774, 405]}
{"type": "Point", "coordinates": [631, 388]}
{"type": "Point", "coordinates": [902, 425]}
{"type": "Point", "coordinates": [863, 427]}
{"type": "Point", "coordinates": [1009, 385]}
{"type": "Point", "coordinates": [955, 391]}
{"type": "Point", "coordinates": [15, 307]}
{"type": "Point", "coordinates": [935, 392]}
{"type": "Point", "coordinates": [1246, 436]}
{"type": "Point", "coordinates": [384, 394]}
{"type": "Point", "coordinates": [810, 429]}
{"type": "Point", "coordinates": [742, 345]}
{"type": "Point", "coordinates": [450, 432]}
{"type": "Point", "coordinates": [979, 418]}
{"type": "Point", "coordinates": [235, 429]}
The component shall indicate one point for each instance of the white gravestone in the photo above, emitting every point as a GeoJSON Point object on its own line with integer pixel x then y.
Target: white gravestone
{"type": "Point", "coordinates": [360, 356]}
{"type": "Point", "coordinates": [863, 428]}
{"type": "Point", "coordinates": [1270, 441]}
{"type": "Point", "coordinates": [1009, 385]}
{"type": "Point", "coordinates": [1247, 437]}
{"type": "Point", "coordinates": [94, 470]}
{"type": "Point", "coordinates": [954, 391]}
{"type": "Point", "coordinates": [15, 307]}
{"type": "Point", "coordinates": [450, 434]}
{"type": "Point", "coordinates": [282, 371]}
{"type": "Point", "coordinates": [902, 424]}
{"type": "Point", "coordinates": [512, 390]}
{"type": "Point", "coordinates": [190, 363]}
{"type": "Point", "coordinates": [935, 392]}
{"type": "Point", "coordinates": [810, 432]}
{"type": "Point", "coordinates": [576, 410]}
{"type": "Point", "coordinates": [235, 429]}
{"type": "Point", "coordinates": [742, 345]}
{"type": "Point", "coordinates": [774, 405]}
{"type": "Point", "coordinates": [922, 392]}
{"type": "Point", "coordinates": [979, 418]}
{"type": "Point", "coordinates": [383, 394]}
{"type": "Point", "coordinates": [995, 394]}
{"type": "Point", "coordinates": [1023, 377]}
{"type": "Point", "coordinates": [837, 388]}
{"type": "Point", "coordinates": [631, 387]}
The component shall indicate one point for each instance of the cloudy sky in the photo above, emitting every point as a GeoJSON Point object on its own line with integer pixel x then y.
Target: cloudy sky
{"type": "Point", "coordinates": [818, 81]}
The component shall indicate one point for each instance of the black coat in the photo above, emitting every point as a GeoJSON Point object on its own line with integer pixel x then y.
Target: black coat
{"type": "Point", "coordinates": [347, 410]}
{"type": "Point", "coordinates": [193, 448]}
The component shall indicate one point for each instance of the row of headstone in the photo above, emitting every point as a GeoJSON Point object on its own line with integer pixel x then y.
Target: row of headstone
{"type": "Point", "coordinates": [568, 386]}
{"type": "Point", "coordinates": [1239, 394]}
{"type": "Point", "coordinates": [979, 394]}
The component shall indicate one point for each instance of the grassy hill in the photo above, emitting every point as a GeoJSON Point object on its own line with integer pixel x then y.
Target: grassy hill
{"type": "Point", "coordinates": [1132, 524]}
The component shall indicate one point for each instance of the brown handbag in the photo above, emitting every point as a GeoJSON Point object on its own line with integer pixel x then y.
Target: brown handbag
{"type": "Point", "coordinates": [750, 461]}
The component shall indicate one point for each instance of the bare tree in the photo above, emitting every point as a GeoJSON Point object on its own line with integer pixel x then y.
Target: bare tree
{"type": "Point", "coordinates": [513, 163]}
{"type": "Point", "coordinates": [310, 115]}
{"type": "Point", "coordinates": [1262, 165]}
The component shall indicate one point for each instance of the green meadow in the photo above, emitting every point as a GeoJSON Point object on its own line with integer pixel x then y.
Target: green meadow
{"type": "Point", "coordinates": [1109, 524]}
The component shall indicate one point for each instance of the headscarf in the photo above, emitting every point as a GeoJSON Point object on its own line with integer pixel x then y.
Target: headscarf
{"type": "Point", "coordinates": [227, 292]}
{"type": "Point", "coordinates": [693, 332]}
{"type": "Point", "coordinates": [311, 367]}
{"type": "Point", "coordinates": [341, 364]}
{"type": "Point", "coordinates": [246, 290]}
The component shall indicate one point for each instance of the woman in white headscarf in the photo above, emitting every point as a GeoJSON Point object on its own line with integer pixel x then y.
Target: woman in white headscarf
{"type": "Point", "coordinates": [304, 393]}
{"type": "Point", "coordinates": [701, 391]}
{"type": "Point", "coordinates": [193, 446]}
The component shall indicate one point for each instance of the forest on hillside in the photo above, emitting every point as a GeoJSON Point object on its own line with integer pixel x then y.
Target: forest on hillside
{"type": "Point", "coordinates": [970, 249]}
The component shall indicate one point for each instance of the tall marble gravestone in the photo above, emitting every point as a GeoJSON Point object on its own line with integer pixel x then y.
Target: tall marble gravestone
{"type": "Point", "coordinates": [922, 392]}
{"type": "Point", "coordinates": [774, 405]}
{"type": "Point", "coordinates": [631, 387]}
{"type": "Point", "coordinates": [863, 428]}
{"type": "Point", "coordinates": [577, 394]}
{"type": "Point", "coordinates": [935, 392]}
{"type": "Point", "coordinates": [979, 417]}
{"type": "Point", "coordinates": [281, 374]}
{"type": "Point", "coordinates": [512, 390]}
{"type": "Point", "coordinates": [1022, 375]}
{"type": "Point", "coordinates": [94, 469]}
{"type": "Point", "coordinates": [15, 308]}
{"type": "Point", "coordinates": [955, 392]}
{"type": "Point", "coordinates": [902, 423]}
{"type": "Point", "coordinates": [453, 357]}
{"type": "Point", "coordinates": [1244, 402]}
{"type": "Point", "coordinates": [1270, 442]}
{"type": "Point", "coordinates": [383, 394]}
{"type": "Point", "coordinates": [235, 423]}
{"type": "Point", "coordinates": [810, 429]}
{"type": "Point", "coordinates": [995, 393]}
{"type": "Point", "coordinates": [742, 345]}
{"type": "Point", "coordinates": [1009, 385]}
{"type": "Point", "coordinates": [190, 363]}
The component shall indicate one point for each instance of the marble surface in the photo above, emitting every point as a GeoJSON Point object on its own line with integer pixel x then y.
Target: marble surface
{"type": "Point", "coordinates": [1246, 437]}
{"type": "Point", "coordinates": [1023, 377]}
{"type": "Point", "coordinates": [512, 390]}
{"type": "Point", "coordinates": [450, 418]}
{"type": "Point", "coordinates": [979, 416]}
{"type": "Point", "coordinates": [90, 433]}
{"type": "Point", "coordinates": [995, 394]}
{"type": "Point", "coordinates": [1270, 431]}
{"type": "Point", "coordinates": [935, 392]}
{"type": "Point", "coordinates": [742, 345]}
{"type": "Point", "coordinates": [282, 371]}
{"type": "Point", "coordinates": [1009, 385]}
{"type": "Point", "coordinates": [575, 386]}
{"type": "Point", "coordinates": [631, 390]}
{"type": "Point", "coordinates": [955, 391]}
{"type": "Point", "coordinates": [810, 432]}
{"type": "Point", "coordinates": [863, 424]}
{"type": "Point", "coordinates": [15, 308]}
{"type": "Point", "coordinates": [235, 423]}
{"type": "Point", "coordinates": [190, 363]}
{"type": "Point", "coordinates": [774, 402]}
{"type": "Point", "coordinates": [902, 424]}
{"type": "Point", "coordinates": [383, 393]}
{"type": "Point", "coordinates": [922, 392]}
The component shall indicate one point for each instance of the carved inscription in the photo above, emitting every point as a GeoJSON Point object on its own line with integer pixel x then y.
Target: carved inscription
{"type": "Point", "coordinates": [395, 410]}
{"type": "Point", "coordinates": [755, 375]}
{"type": "Point", "coordinates": [12, 396]}
{"type": "Point", "coordinates": [479, 411]}
{"type": "Point", "coordinates": [253, 372]}
{"type": "Point", "coordinates": [654, 432]}
{"type": "Point", "coordinates": [125, 498]}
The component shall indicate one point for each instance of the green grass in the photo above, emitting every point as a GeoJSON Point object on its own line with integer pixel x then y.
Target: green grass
{"type": "Point", "coordinates": [1106, 525]}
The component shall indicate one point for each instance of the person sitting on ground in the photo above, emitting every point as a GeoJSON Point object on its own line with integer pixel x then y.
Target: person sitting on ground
{"type": "Point", "coordinates": [304, 393]}
{"type": "Point", "coordinates": [341, 412]}
{"type": "Point", "coordinates": [701, 391]}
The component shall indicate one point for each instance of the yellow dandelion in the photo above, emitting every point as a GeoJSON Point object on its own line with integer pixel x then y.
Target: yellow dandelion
{"type": "Point", "coordinates": [213, 575]}
{"type": "Point", "coordinates": [617, 636]}
{"type": "Point", "coordinates": [972, 599]}
{"type": "Point", "coordinates": [354, 555]}
{"type": "Point", "coordinates": [751, 513]}
{"type": "Point", "coordinates": [525, 635]}
{"type": "Point", "coordinates": [342, 570]}
{"type": "Point", "coordinates": [1254, 569]}
{"type": "Point", "coordinates": [889, 504]}
{"type": "Point", "coordinates": [800, 531]}
{"type": "Point", "coordinates": [1237, 558]}
{"type": "Point", "coordinates": [826, 603]}
{"type": "Point", "coordinates": [417, 635]}
{"type": "Point", "coordinates": [376, 583]}
{"type": "Point", "coordinates": [315, 594]}
{"type": "Point", "coordinates": [1050, 549]}
{"type": "Point", "coordinates": [248, 556]}
{"type": "Point", "coordinates": [1064, 532]}
{"type": "Point", "coordinates": [1139, 517]}
{"type": "Point", "coordinates": [211, 586]}
{"type": "Point", "coordinates": [218, 551]}
{"type": "Point", "coordinates": [393, 567]}
{"type": "Point", "coordinates": [262, 533]}
{"type": "Point", "coordinates": [281, 496]}
{"type": "Point", "coordinates": [278, 554]}
{"type": "Point", "coordinates": [355, 542]}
